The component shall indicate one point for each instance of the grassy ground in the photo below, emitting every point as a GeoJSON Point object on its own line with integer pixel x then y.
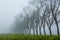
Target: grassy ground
{"type": "Point", "coordinates": [27, 37]}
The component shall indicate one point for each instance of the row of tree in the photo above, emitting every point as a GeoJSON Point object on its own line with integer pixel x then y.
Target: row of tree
{"type": "Point", "coordinates": [40, 13]}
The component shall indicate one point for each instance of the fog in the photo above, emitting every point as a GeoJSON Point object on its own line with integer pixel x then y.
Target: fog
{"type": "Point", "coordinates": [8, 10]}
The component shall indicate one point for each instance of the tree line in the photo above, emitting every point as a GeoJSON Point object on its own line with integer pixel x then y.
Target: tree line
{"type": "Point", "coordinates": [39, 14]}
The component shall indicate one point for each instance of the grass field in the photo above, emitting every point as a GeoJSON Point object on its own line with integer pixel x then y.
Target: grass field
{"type": "Point", "coordinates": [27, 37]}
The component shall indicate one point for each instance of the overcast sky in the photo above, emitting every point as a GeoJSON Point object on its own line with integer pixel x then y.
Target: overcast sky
{"type": "Point", "coordinates": [8, 10]}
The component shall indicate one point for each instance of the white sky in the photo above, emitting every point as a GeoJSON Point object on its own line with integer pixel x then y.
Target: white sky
{"type": "Point", "coordinates": [8, 10]}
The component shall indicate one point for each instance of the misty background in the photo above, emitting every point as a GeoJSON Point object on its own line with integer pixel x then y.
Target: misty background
{"type": "Point", "coordinates": [8, 10]}
{"type": "Point", "coordinates": [30, 16]}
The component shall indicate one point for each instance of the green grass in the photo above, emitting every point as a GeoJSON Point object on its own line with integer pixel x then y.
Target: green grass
{"type": "Point", "coordinates": [27, 37]}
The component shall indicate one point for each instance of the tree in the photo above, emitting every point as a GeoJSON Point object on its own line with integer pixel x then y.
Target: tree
{"type": "Point", "coordinates": [39, 14]}
{"type": "Point", "coordinates": [54, 10]}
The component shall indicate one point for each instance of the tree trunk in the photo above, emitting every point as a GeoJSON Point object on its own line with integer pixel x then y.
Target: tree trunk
{"type": "Point", "coordinates": [36, 29]}
{"type": "Point", "coordinates": [57, 25]}
{"type": "Point", "coordinates": [50, 30]}
{"type": "Point", "coordinates": [44, 28]}
{"type": "Point", "coordinates": [40, 30]}
{"type": "Point", "coordinates": [33, 31]}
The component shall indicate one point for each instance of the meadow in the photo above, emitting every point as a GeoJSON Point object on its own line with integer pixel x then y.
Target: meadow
{"type": "Point", "coordinates": [28, 37]}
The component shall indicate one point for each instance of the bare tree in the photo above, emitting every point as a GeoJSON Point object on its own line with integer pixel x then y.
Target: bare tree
{"type": "Point", "coordinates": [39, 14]}
{"type": "Point", "coordinates": [54, 10]}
